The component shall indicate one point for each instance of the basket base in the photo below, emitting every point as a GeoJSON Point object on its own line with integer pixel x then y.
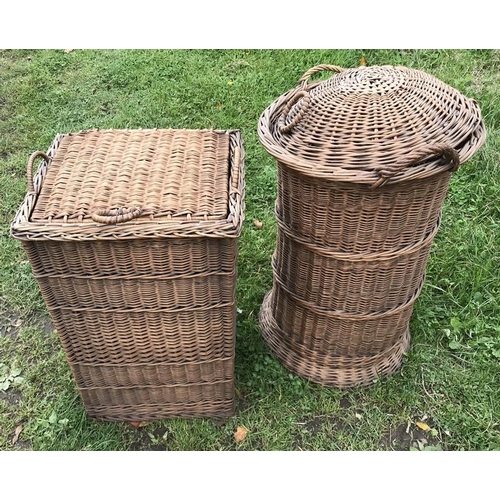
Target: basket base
{"type": "Point", "coordinates": [330, 371]}
{"type": "Point", "coordinates": [160, 391]}
{"type": "Point", "coordinates": [151, 412]}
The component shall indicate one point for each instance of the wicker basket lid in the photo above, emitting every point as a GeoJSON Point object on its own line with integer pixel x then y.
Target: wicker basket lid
{"type": "Point", "coordinates": [164, 173]}
{"type": "Point", "coordinates": [370, 124]}
{"type": "Point", "coordinates": [161, 182]}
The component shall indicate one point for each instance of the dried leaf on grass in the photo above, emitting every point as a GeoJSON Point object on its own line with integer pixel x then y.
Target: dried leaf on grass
{"type": "Point", "coordinates": [423, 426]}
{"type": "Point", "coordinates": [136, 425]}
{"type": "Point", "coordinates": [362, 62]}
{"type": "Point", "coordinates": [67, 51]}
{"type": "Point", "coordinates": [240, 434]}
{"type": "Point", "coordinates": [17, 432]}
{"type": "Point", "coordinates": [257, 223]}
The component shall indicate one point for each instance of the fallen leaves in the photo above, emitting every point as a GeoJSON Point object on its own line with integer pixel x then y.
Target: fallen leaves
{"type": "Point", "coordinates": [137, 425]}
{"type": "Point", "coordinates": [423, 426]}
{"type": "Point", "coordinates": [362, 62]}
{"type": "Point", "coordinates": [240, 434]}
{"type": "Point", "coordinates": [257, 224]}
{"type": "Point", "coordinates": [67, 51]}
{"type": "Point", "coordinates": [17, 432]}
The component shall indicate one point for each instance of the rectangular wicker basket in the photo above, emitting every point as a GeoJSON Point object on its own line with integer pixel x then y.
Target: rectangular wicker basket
{"type": "Point", "coordinates": [132, 237]}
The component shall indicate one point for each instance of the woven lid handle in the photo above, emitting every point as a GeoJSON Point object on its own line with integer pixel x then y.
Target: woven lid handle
{"type": "Point", "coordinates": [448, 154]}
{"type": "Point", "coordinates": [29, 169]}
{"type": "Point", "coordinates": [304, 94]}
{"type": "Point", "coordinates": [317, 69]}
{"type": "Point", "coordinates": [116, 215]}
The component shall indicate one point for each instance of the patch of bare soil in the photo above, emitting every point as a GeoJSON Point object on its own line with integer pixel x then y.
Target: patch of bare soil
{"type": "Point", "coordinates": [12, 396]}
{"type": "Point", "coordinates": [316, 425]}
{"type": "Point", "coordinates": [11, 323]}
{"type": "Point", "coordinates": [407, 435]}
{"type": "Point", "coordinates": [149, 441]}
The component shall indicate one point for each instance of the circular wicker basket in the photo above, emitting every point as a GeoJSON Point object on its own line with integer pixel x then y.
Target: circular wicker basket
{"type": "Point", "coordinates": [364, 163]}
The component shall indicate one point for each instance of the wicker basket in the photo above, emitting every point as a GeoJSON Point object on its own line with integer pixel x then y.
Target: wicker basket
{"type": "Point", "coordinates": [364, 162]}
{"type": "Point", "coordinates": [132, 237]}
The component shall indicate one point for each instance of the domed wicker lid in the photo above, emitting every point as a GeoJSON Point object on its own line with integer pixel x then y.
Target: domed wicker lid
{"type": "Point", "coordinates": [372, 124]}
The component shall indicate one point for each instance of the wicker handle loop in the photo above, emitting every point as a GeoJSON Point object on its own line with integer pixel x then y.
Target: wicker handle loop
{"type": "Point", "coordinates": [448, 154]}
{"type": "Point", "coordinates": [305, 105]}
{"type": "Point", "coordinates": [116, 215]}
{"type": "Point", "coordinates": [317, 69]}
{"type": "Point", "coordinates": [302, 93]}
{"type": "Point", "coordinates": [29, 169]}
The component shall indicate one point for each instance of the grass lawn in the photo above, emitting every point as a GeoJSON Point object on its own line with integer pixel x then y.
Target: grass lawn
{"type": "Point", "coordinates": [450, 378]}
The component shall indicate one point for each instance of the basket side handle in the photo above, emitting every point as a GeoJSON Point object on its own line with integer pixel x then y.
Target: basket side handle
{"type": "Point", "coordinates": [283, 129]}
{"type": "Point", "coordinates": [447, 153]}
{"type": "Point", "coordinates": [29, 169]}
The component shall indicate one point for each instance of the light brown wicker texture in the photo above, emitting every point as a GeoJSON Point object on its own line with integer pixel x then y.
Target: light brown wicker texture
{"type": "Point", "coordinates": [352, 218]}
{"type": "Point", "coordinates": [132, 237]}
{"type": "Point", "coordinates": [337, 332]}
{"type": "Point", "coordinates": [364, 162]}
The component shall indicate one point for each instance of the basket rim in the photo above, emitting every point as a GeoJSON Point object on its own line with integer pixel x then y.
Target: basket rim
{"type": "Point", "coordinates": [230, 227]}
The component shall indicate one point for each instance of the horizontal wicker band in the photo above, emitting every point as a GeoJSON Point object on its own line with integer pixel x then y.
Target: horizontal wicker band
{"type": "Point", "coordinates": [151, 277]}
{"type": "Point", "coordinates": [178, 387]}
{"type": "Point", "coordinates": [342, 315]}
{"type": "Point", "coordinates": [140, 411]}
{"type": "Point", "coordinates": [172, 364]}
{"type": "Point", "coordinates": [356, 257]}
{"type": "Point", "coordinates": [141, 310]}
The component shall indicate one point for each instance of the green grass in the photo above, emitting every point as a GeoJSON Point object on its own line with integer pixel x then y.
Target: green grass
{"type": "Point", "coordinates": [450, 377]}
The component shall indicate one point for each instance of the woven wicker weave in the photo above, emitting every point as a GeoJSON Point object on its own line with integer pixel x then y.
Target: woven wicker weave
{"type": "Point", "coordinates": [329, 370]}
{"type": "Point", "coordinates": [364, 162]}
{"type": "Point", "coordinates": [132, 237]}
{"type": "Point", "coordinates": [331, 280]}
